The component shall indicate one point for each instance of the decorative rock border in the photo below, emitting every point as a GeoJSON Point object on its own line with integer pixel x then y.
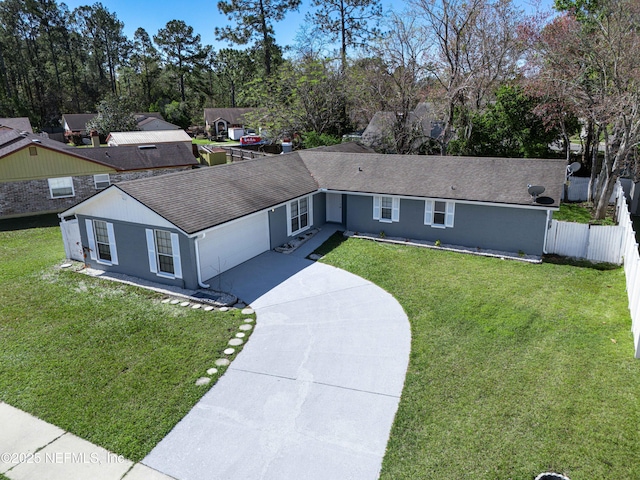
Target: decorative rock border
{"type": "Point", "coordinates": [237, 341]}
{"type": "Point", "coordinates": [449, 248]}
{"type": "Point", "coordinates": [292, 245]}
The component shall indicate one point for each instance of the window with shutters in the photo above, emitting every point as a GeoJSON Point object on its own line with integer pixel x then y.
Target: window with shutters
{"type": "Point", "coordinates": [386, 209]}
{"type": "Point", "coordinates": [439, 214]}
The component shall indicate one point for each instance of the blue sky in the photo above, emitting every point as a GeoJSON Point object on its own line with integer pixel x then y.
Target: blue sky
{"type": "Point", "coordinates": [204, 16]}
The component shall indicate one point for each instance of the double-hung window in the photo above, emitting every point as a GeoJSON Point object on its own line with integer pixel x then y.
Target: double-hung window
{"type": "Point", "coordinates": [439, 214]}
{"type": "Point", "coordinates": [386, 209]}
{"type": "Point", "coordinates": [101, 180]}
{"type": "Point", "coordinates": [164, 253]}
{"type": "Point", "coordinates": [300, 215]}
{"type": "Point", "coordinates": [102, 242]}
{"type": "Point", "coordinates": [61, 187]}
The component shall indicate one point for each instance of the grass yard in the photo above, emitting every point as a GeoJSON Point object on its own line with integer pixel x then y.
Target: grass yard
{"type": "Point", "coordinates": [515, 369]}
{"type": "Point", "coordinates": [582, 212]}
{"type": "Point", "coordinates": [105, 361]}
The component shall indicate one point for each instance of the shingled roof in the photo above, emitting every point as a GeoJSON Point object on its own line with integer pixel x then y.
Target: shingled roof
{"type": "Point", "coordinates": [162, 155]}
{"type": "Point", "coordinates": [235, 116]}
{"type": "Point", "coordinates": [481, 179]}
{"type": "Point", "coordinates": [22, 124]}
{"type": "Point", "coordinates": [197, 200]}
{"type": "Point", "coordinates": [120, 158]}
{"type": "Point", "coordinates": [77, 122]}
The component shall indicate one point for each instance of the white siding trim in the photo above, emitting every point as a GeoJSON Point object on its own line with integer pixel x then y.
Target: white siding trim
{"type": "Point", "coordinates": [91, 239]}
{"type": "Point", "coordinates": [151, 249]}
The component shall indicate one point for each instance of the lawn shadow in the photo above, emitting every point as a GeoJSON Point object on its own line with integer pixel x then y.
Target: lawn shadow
{"type": "Point", "coordinates": [25, 223]}
{"type": "Point", "coordinates": [576, 262]}
{"type": "Point", "coordinates": [332, 242]}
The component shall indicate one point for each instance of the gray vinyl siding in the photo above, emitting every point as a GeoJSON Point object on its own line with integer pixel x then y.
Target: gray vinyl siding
{"type": "Point", "coordinates": [278, 220]}
{"type": "Point", "coordinates": [133, 258]}
{"type": "Point", "coordinates": [488, 227]}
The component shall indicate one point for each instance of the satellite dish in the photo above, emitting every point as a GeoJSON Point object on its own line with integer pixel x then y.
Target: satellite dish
{"type": "Point", "coordinates": [544, 200]}
{"type": "Point", "coordinates": [535, 190]}
{"type": "Point", "coordinates": [574, 167]}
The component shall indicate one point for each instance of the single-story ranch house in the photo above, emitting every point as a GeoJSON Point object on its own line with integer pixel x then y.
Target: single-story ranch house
{"type": "Point", "coordinates": [39, 175]}
{"type": "Point", "coordinates": [185, 228]}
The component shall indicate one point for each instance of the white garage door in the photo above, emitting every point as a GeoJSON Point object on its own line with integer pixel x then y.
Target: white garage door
{"type": "Point", "coordinates": [230, 245]}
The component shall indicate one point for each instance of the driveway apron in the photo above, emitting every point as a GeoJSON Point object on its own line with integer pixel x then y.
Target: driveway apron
{"type": "Point", "coordinates": [314, 392]}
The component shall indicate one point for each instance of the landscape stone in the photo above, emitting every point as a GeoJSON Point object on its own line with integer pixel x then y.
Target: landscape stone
{"type": "Point", "coordinates": [240, 335]}
{"type": "Point", "coordinates": [166, 300]}
{"type": "Point", "coordinates": [248, 311]}
{"type": "Point", "coordinates": [203, 381]}
{"type": "Point", "coordinates": [196, 306]}
{"type": "Point", "coordinates": [224, 309]}
{"type": "Point", "coordinates": [230, 351]}
{"type": "Point", "coordinates": [223, 362]}
{"type": "Point", "coordinates": [240, 305]}
{"type": "Point", "coordinates": [65, 265]}
{"type": "Point", "coordinates": [174, 302]}
{"type": "Point", "coordinates": [208, 308]}
{"type": "Point", "coordinates": [246, 327]}
{"type": "Point", "coordinates": [315, 256]}
{"type": "Point", "coordinates": [212, 371]}
{"type": "Point", "coordinates": [248, 320]}
{"type": "Point", "coordinates": [235, 342]}
{"type": "Point", "coordinates": [184, 304]}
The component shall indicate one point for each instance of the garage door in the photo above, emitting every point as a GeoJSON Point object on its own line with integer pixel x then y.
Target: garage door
{"type": "Point", "coordinates": [230, 245]}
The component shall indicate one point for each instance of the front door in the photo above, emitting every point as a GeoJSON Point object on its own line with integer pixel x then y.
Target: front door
{"type": "Point", "coordinates": [334, 207]}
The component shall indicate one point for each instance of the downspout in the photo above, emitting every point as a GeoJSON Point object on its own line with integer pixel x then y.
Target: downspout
{"type": "Point", "coordinates": [546, 234]}
{"type": "Point", "coordinates": [198, 269]}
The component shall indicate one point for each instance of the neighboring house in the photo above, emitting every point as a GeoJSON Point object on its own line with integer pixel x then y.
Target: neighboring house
{"type": "Point", "coordinates": [422, 123]}
{"type": "Point", "coordinates": [220, 122]}
{"type": "Point", "coordinates": [38, 175]}
{"type": "Point", "coordinates": [75, 124]}
{"type": "Point", "coordinates": [150, 124]}
{"type": "Point", "coordinates": [115, 139]}
{"type": "Point", "coordinates": [21, 124]}
{"type": "Point", "coordinates": [186, 228]}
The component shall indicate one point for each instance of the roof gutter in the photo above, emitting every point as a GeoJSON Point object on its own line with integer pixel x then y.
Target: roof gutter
{"type": "Point", "coordinates": [198, 268]}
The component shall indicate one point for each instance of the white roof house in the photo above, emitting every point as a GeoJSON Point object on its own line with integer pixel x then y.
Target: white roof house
{"type": "Point", "coordinates": [116, 139]}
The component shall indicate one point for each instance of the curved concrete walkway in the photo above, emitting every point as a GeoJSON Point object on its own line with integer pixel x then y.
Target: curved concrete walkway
{"type": "Point", "coordinates": [314, 392]}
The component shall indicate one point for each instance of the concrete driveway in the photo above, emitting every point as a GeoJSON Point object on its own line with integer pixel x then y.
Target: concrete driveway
{"type": "Point", "coordinates": [314, 392]}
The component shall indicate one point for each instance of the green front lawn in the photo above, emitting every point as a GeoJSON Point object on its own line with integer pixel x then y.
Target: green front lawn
{"type": "Point", "coordinates": [582, 212]}
{"type": "Point", "coordinates": [515, 369]}
{"type": "Point", "coordinates": [106, 361]}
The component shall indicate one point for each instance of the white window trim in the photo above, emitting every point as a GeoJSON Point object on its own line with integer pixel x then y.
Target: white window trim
{"type": "Point", "coordinates": [429, 210]}
{"type": "Point", "coordinates": [153, 255]}
{"type": "Point", "coordinates": [93, 250]}
{"type": "Point", "coordinates": [99, 178]}
{"type": "Point", "coordinates": [73, 191]}
{"type": "Point", "coordinates": [395, 209]}
{"type": "Point", "coordinates": [309, 198]}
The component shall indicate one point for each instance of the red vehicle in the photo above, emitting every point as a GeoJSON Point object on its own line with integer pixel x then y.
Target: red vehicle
{"type": "Point", "coordinates": [251, 140]}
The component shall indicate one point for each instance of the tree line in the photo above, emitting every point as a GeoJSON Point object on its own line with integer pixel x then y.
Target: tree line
{"type": "Point", "coordinates": [498, 81]}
